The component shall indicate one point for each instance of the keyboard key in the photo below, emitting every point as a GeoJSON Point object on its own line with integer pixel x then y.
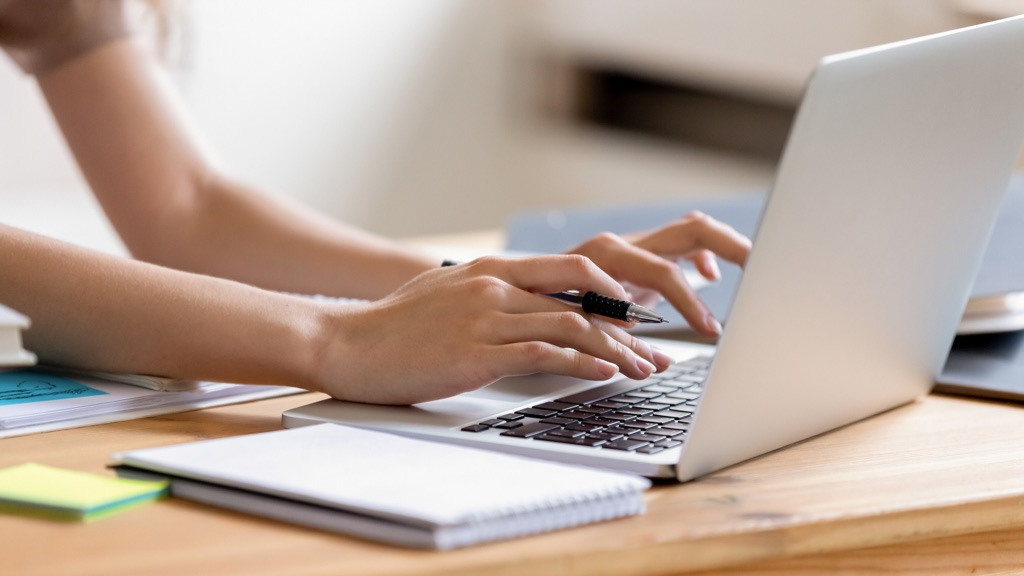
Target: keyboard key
{"type": "Point", "coordinates": [674, 414]}
{"type": "Point", "coordinates": [696, 362]}
{"type": "Point", "coordinates": [583, 427]}
{"type": "Point", "coordinates": [684, 395]}
{"type": "Point", "coordinates": [665, 432]}
{"type": "Point", "coordinates": [624, 399]}
{"type": "Point", "coordinates": [593, 410]}
{"type": "Point", "coordinates": [506, 425]}
{"type": "Point", "coordinates": [537, 412]}
{"type": "Point", "coordinates": [657, 378]}
{"type": "Point", "coordinates": [559, 420]}
{"type": "Point", "coordinates": [624, 444]}
{"type": "Point", "coordinates": [576, 415]}
{"type": "Point", "coordinates": [667, 401]}
{"type": "Point", "coordinates": [605, 435]}
{"type": "Point", "coordinates": [634, 411]}
{"type": "Point", "coordinates": [641, 394]}
{"type": "Point", "coordinates": [618, 417]}
{"type": "Point", "coordinates": [610, 405]}
{"type": "Point", "coordinates": [654, 419]}
{"type": "Point", "coordinates": [492, 422]}
{"type": "Point", "coordinates": [476, 428]}
{"type": "Point", "coordinates": [511, 417]}
{"type": "Point", "coordinates": [661, 388]}
{"type": "Point", "coordinates": [556, 406]}
{"type": "Point", "coordinates": [530, 430]}
{"type": "Point", "coordinates": [684, 426]}
{"type": "Point", "coordinates": [652, 449]}
{"type": "Point", "coordinates": [583, 441]}
{"type": "Point", "coordinates": [567, 433]}
{"type": "Point", "coordinates": [645, 438]}
{"type": "Point", "coordinates": [668, 443]}
{"type": "Point", "coordinates": [673, 375]}
{"type": "Point", "coordinates": [638, 425]}
{"type": "Point", "coordinates": [600, 392]}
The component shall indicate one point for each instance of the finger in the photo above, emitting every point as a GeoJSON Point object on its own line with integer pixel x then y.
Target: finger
{"type": "Point", "coordinates": [490, 293]}
{"type": "Point", "coordinates": [706, 263]}
{"type": "Point", "coordinates": [554, 273]}
{"type": "Point", "coordinates": [487, 293]}
{"type": "Point", "coordinates": [698, 231]}
{"type": "Point", "coordinates": [634, 357]}
{"type": "Point", "coordinates": [641, 347]}
{"type": "Point", "coordinates": [639, 266]}
{"type": "Point", "coordinates": [521, 358]}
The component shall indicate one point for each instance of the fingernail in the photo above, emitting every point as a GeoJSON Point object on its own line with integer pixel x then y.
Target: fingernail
{"type": "Point", "coordinates": [715, 270]}
{"type": "Point", "coordinates": [712, 325]}
{"type": "Point", "coordinates": [661, 359]}
{"type": "Point", "coordinates": [606, 369]}
{"type": "Point", "coordinates": [645, 367]}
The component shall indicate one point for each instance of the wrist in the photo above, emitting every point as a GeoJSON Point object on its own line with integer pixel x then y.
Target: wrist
{"type": "Point", "coordinates": [331, 346]}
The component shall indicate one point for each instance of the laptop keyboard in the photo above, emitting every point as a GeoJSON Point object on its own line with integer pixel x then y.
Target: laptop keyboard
{"type": "Point", "coordinates": [645, 417]}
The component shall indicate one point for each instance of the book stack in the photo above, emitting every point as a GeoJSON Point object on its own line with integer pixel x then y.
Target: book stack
{"type": "Point", "coordinates": [39, 399]}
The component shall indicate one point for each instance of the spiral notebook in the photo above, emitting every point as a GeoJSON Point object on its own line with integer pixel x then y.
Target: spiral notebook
{"type": "Point", "coordinates": [387, 488]}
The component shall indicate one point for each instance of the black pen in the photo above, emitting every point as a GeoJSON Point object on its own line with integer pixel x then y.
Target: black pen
{"type": "Point", "coordinates": [594, 303]}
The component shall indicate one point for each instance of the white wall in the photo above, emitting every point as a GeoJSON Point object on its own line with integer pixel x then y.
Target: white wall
{"type": "Point", "coordinates": [412, 116]}
{"type": "Point", "coordinates": [380, 113]}
{"type": "Point", "coordinates": [40, 187]}
{"type": "Point", "coordinates": [32, 153]}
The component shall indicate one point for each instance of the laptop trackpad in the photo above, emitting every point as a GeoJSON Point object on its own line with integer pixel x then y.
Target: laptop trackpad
{"type": "Point", "coordinates": [521, 389]}
{"type": "Point", "coordinates": [505, 395]}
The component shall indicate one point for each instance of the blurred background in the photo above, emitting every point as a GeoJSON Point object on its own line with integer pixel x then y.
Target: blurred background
{"type": "Point", "coordinates": [414, 117]}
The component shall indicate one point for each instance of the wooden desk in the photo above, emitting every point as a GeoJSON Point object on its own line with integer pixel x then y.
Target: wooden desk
{"type": "Point", "coordinates": [935, 487]}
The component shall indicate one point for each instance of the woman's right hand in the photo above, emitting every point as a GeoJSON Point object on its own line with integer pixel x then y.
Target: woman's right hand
{"type": "Point", "coordinates": [455, 329]}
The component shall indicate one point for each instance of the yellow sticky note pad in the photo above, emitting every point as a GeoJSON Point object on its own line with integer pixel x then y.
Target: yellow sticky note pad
{"type": "Point", "coordinates": [48, 492]}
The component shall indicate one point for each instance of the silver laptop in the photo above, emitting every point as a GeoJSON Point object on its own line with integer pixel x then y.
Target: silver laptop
{"type": "Point", "coordinates": [882, 206]}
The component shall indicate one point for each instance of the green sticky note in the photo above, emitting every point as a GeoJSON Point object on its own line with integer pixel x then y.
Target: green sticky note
{"type": "Point", "coordinates": [55, 493]}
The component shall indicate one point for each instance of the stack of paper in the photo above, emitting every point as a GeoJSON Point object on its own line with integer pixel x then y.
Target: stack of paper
{"type": "Point", "coordinates": [40, 400]}
{"type": "Point", "coordinates": [57, 494]}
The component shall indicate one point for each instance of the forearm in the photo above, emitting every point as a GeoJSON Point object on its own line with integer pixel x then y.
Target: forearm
{"type": "Point", "coordinates": [171, 205]}
{"type": "Point", "coordinates": [101, 312]}
{"type": "Point", "coordinates": [276, 244]}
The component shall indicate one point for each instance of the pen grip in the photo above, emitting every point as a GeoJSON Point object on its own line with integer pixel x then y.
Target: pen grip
{"type": "Point", "coordinates": [594, 303]}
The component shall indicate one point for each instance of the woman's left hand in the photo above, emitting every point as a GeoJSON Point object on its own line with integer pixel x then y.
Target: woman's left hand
{"type": "Point", "coordinates": [650, 261]}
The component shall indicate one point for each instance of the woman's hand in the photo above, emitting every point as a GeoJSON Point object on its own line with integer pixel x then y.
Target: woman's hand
{"type": "Point", "coordinates": [455, 329]}
{"type": "Point", "coordinates": [650, 261]}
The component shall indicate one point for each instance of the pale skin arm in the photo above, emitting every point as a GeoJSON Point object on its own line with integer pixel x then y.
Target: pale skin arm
{"type": "Point", "coordinates": [172, 206]}
{"type": "Point", "coordinates": [96, 311]}
{"type": "Point", "coordinates": [448, 331]}
{"type": "Point", "coordinates": [433, 332]}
